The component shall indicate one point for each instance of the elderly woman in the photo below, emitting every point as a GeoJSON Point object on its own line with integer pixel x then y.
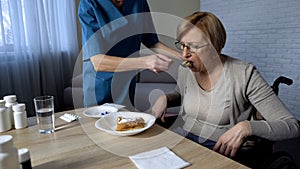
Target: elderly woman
{"type": "Point", "coordinates": [218, 93]}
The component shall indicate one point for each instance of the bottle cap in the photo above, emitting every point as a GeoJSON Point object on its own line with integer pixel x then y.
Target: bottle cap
{"type": "Point", "coordinates": [10, 98]}
{"type": "Point", "coordinates": [5, 142]}
{"type": "Point", "coordinates": [23, 154]}
{"type": "Point", "coordinates": [19, 107]}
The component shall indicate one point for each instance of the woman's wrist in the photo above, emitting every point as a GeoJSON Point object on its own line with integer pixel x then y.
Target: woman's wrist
{"type": "Point", "coordinates": [247, 127]}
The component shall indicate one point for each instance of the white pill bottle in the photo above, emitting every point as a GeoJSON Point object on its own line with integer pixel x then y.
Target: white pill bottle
{"type": "Point", "coordinates": [5, 123]}
{"type": "Point", "coordinates": [10, 100]}
{"type": "Point", "coordinates": [8, 153]}
{"type": "Point", "coordinates": [20, 117]}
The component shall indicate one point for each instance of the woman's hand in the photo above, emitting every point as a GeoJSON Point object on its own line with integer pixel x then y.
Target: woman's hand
{"type": "Point", "coordinates": [158, 62]}
{"type": "Point", "coordinates": [159, 108]}
{"type": "Point", "coordinates": [230, 141]}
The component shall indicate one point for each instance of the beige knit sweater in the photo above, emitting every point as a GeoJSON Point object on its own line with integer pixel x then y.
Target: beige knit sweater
{"type": "Point", "coordinates": [211, 113]}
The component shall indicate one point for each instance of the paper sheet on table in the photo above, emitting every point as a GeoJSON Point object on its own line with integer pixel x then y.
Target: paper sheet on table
{"type": "Point", "coordinates": [158, 159]}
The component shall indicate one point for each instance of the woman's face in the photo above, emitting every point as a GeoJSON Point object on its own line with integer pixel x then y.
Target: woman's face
{"type": "Point", "coordinates": [198, 51]}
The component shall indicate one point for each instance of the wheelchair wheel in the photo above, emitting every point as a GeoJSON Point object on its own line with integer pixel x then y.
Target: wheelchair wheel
{"type": "Point", "coordinates": [279, 160]}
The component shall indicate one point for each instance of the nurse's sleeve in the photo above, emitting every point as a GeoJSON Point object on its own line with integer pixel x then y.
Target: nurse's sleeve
{"type": "Point", "coordinates": [89, 26]}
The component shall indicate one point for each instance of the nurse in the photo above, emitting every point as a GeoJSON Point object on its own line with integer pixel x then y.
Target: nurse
{"type": "Point", "coordinates": [112, 34]}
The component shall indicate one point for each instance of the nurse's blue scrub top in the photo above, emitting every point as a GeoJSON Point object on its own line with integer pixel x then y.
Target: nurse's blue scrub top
{"type": "Point", "coordinates": [106, 30]}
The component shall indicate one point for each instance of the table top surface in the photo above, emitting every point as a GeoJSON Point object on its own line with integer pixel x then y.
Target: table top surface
{"type": "Point", "coordinates": [80, 144]}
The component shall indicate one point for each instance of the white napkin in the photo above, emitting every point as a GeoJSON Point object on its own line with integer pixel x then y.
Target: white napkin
{"type": "Point", "coordinates": [158, 159]}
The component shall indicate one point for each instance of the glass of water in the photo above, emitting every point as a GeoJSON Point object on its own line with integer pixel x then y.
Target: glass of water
{"type": "Point", "coordinates": [44, 108]}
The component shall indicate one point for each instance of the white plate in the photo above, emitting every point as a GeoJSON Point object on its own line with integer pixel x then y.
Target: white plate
{"type": "Point", "coordinates": [118, 106]}
{"type": "Point", "coordinates": [108, 123]}
{"type": "Point", "coordinates": [99, 111]}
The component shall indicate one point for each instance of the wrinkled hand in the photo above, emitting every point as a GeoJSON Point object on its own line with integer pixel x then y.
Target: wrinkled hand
{"type": "Point", "coordinates": [230, 141]}
{"type": "Point", "coordinates": [158, 62]}
{"type": "Point", "coordinates": [159, 108]}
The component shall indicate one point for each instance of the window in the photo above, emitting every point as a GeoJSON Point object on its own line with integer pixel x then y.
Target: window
{"type": "Point", "coordinates": [39, 26]}
{"type": "Point", "coordinates": [5, 25]}
{"type": "Point", "coordinates": [38, 47]}
{"type": "Point", "coordinates": [6, 32]}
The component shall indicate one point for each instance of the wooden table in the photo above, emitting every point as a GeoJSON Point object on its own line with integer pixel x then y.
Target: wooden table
{"type": "Point", "coordinates": [80, 145]}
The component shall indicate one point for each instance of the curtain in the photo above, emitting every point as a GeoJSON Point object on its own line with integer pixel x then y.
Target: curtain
{"type": "Point", "coordinates": [38, 49]}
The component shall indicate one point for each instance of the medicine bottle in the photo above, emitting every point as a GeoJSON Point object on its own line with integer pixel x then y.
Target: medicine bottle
{"type": "Point", "coordinates": [5, 123]}
{"type": "Point", "coordinates": [20, 117]}
{"type": "Point", "coordinates": [24, 158]}
{"type": "Point", "coordinates": [10, 100]}
{"type": "Point", "coordinates": [8, 153]}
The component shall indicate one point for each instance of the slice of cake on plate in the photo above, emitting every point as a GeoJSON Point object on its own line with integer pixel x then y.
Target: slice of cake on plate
{"type": "Point", "coordinates": [125, 124]}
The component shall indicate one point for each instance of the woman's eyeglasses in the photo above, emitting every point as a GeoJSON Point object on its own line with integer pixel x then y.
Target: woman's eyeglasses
{"type": "Point", "coordinates": [192, 46]}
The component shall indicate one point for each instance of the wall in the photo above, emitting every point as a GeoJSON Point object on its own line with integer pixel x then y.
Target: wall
{"type": "Point", "coordinates": [178, 8]}
{"type": "Point", "coordinates": [266, 33]}
{"type": "Point", "coordinates": [175, 7]}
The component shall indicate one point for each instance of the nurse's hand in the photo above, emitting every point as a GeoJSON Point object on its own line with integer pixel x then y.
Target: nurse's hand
{"type": "Point", "coordinates": [159, 108]}
{"type": "Point", "coordinates": [158, 62]}
{"type": "Point", "coordinates": [230, 141]}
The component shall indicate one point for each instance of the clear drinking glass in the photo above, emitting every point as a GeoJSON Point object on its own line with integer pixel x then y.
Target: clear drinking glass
{"type": "Point", "coordinates": [44, 108]}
